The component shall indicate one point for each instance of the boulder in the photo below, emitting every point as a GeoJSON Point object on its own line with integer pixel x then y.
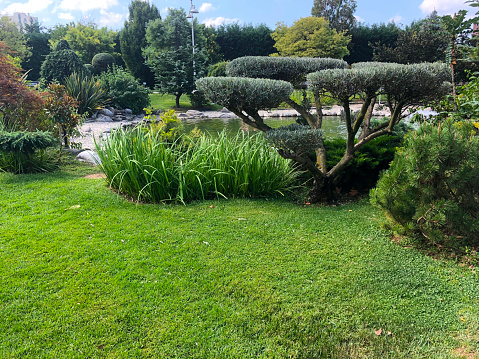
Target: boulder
{"type": "Point", "coordinates": [107, 112]}
{"type": "Point", "coordinates": [103, 118]}
{"type": "Point", "coordinates": [88, 156]}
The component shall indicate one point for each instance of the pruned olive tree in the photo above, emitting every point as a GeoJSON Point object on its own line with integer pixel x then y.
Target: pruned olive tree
{"type": "Point", "coordinates": [405, 87]}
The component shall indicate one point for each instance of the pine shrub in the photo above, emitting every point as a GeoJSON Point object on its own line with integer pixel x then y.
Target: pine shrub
{"type": "Point", "coordinates": [431, 186]}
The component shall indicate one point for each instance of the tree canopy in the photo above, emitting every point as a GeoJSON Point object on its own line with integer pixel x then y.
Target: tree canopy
{"type": "Point", "coordinates": [423, 41]}
{"type": "Point", "coordinates": [406, 86]}
{"type": "Point", "coordinates": [170, 54]}
{"type": "Point", "coordinates": [133, 39]}
{"type": "Point", "coordinates": [14, 39]}
{"type": "Point", "coordinates": [339, 13]}
{"type": "Point", "coordinates": [310, 37]}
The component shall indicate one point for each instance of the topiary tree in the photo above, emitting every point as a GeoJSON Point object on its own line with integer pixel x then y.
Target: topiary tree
{"type": "Point", "coordinates": [61, 63]}
{"type": "Point", "coordinates": [406, 86]}
{"type": "Point", "coordinates": [102, 61]}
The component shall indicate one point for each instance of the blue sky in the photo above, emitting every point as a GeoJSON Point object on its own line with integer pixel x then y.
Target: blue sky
{"type": "Point", "coordinates": [112, 13]}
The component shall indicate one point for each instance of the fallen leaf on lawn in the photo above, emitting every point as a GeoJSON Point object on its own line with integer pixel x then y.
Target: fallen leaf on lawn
{"type": "Point", "coordinates": [212, 206]}
{"type": "Point", "coordinates": [389, 333]}
{"type": "Point", "coordinates": [206, 243]}
{"type": "Point", "coordinates": [241, 219]}
{"type": "Point", "coordinates": [462, 319]}
{"type": "Point", "coordinates": [73, 207]}
{"type": "Point", "coordinates": [378, 332]}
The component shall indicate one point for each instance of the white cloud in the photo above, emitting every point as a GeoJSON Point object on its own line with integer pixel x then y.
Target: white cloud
{"type": "Point", "coordinates": [87, 5]}
{"type": "Point", "coordinates": [219, 21]}
{"type": "Point", "coordinates": [443, 7]}
{"type": "Point", "coordinates": [165, 10]}
{"type": "Point", "coordinates": [206, 6]}
{"type": "Point", "coordinates": [358, 18]}
{"type": "Point", "coordinates": [65, 16]}
{"type": "Point", "coordinates": [396, 19]}
{"type": "Point", "coordinates": [110, 18]}
{"type": "Point", "coordinates": [31, 6]}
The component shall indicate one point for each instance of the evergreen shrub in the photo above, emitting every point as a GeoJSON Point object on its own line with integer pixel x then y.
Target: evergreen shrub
{"type": "Point", "coordinates": [123, 90]}
{"type": "Point", "coordinates": [431, 186]}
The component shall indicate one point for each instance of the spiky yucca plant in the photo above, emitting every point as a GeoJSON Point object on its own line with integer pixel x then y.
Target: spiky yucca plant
{"type": "Point", "coordinates": [87, 91]}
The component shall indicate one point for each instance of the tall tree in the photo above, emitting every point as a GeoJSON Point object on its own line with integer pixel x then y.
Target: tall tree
{"type": "Point", "coordinates": [38, 41]}
{"type": "Point", "coordinates": [310, 37]}
{"type": "Point", "coordinates": [236, 40]}
{"type": "Point", "coordinates": [170, 54]}
{"type": "Point", "coordinates": [422, 41]}
{"type": "Point", "coordinates": [133, 40]}
{"type": "Point", "coordinates": [364, 36]}
{"type": "Point", "coordinates": [14, 39]}
{"type": "Point", "coordinates": [87, 40]}
{"type": "Point", "coordinates": [339, 13]}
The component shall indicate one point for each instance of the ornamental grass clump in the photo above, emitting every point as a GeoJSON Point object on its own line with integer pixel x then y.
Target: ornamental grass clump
{"type": "Point", "coordinates": [147, 168]}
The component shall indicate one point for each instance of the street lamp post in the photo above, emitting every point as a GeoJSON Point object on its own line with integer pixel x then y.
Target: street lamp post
{"type": "Point", "coordinates": [191, 16]}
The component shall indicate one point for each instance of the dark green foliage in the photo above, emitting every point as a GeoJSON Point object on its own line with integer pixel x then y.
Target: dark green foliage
{"type": "Point", "coordinates": [62, 45]}
{"type": "Point", "coordinates": [26, 142]}
{"type": "Point", "coordinates": [39, 43]}
{"type": "Point", "coordinates": [291, 69]}
{"type": "Point", "coordinates": [218, 69]}
{"type": "Point", "coordinates": [236, 40]}
{"type": "Point", "coordinates": [170, 54]}
{"type": "Point", "coordinates": [87, 91]}
{"type": "Point", "coordinates": [25, 152]}
{"type": "Point", "coordinates": [422, 41]}
{"type": "Point", "coordinates": [363, 37]}
{"type": "Point", "coordinates": [295, 138]}
{"type": "Point", "coordinates": [198, 100]}
{"type": "Point", "coordinates": [247, 94]}
{"type": "Point", "coordinates": [363, 171]}
{"type": "Point", "coordinates": [60, 64]}
{"type": "Point", "coordinates": [133, 41]}
{"type": "Point", "coordinates": [123, 90]}
{"type": "Point", "coordinates": [432, 185]}
{"type": "Point", "coordinates": [102, 62]}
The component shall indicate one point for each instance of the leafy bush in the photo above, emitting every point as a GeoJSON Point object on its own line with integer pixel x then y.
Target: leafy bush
{"type": "Point", "coordinates": [20, 106]}
{"type": "Point", "coordinates": [143, 166]}
{"type": "Point", "coordinates": [25, 152]}
{"type": "Point", "coordinates": [61, 63]}
{"type": "Point", "coordinates": [169, 127]}
{"type": "Point", "coordinates": [62, 112]}
{"type": "Point", "coordinates": [123, 90]}
{"type": "Point", "coordinates": [102, 62]}
{"type": "Point", "coordinates": [244, 93]}
{"type": "Point", "coordinates": [431, 186]}
{"type": "Point", "coordinates": [198, 100]}
{"type": "Point", "coordinates": [87, 91]}
{"type": "Point", "coordinates": [295, 138]}
{"type": "Point", "coordinates": [363, 171]}
{"type": "Point", "coordinates": [291, 69]}
{"type": "Point", "coordinates": [218, 69]}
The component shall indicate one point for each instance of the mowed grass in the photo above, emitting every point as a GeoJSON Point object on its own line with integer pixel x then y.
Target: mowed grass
{"type": "Point", "coordinates": [86, 274]}
{"type": "Point", "coordinates": [166, 102]}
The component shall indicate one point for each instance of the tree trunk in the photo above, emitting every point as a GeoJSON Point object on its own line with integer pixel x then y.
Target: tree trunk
{"type": "Point", "coordinates": [322, 190]}
{"type": "Point", "coordinates": [177, 99]}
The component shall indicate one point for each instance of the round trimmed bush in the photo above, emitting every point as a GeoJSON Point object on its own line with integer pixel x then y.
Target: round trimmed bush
{"type": "Point", "coordinates": [291, 69]}
{"type": "Point", "coordinates": [101, 62]}
{"type": "Point", "coordinates": [246, 94]}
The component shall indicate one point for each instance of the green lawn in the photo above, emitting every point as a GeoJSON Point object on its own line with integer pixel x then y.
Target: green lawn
{"type": "Point", "coordinates": [86, 274]}
{"type": "Point", "coordinates": [167, 102]}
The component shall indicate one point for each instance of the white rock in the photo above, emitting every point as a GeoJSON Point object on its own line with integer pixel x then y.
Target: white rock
{"type": "Point", "coordinates": [89, 156]}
